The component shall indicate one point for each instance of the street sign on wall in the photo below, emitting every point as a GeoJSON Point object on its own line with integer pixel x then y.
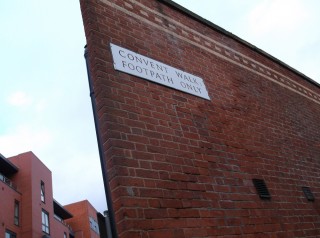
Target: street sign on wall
{"type": "Point", "coordinates": [141, 66]}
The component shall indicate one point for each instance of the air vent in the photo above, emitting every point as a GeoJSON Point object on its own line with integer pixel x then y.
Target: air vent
{"type": "Point", "coordinates": [261, 188]}
{"type": "Point", "coordinates": [307, 192]}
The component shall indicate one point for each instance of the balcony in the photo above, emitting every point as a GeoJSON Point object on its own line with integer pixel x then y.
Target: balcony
{"type": "Point", "coordinates": [59, 219]}
{"type": "Point", "coordinates": [7, 181]}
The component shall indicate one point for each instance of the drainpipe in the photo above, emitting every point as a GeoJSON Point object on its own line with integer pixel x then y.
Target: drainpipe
{"type": "Point", "coordinates": [101, 154]}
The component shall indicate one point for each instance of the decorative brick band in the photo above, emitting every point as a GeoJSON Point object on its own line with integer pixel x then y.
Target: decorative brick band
{"type": "Point", "coordinates": [183, 32]}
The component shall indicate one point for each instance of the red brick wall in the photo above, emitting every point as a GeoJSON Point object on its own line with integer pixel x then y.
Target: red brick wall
{"type": "Point", "coordinates": [80, 220]}
{"type": "Point", "coordinates": [27, 192]}
{"type": "Point", "coordinates": [59, 228]}
{"type": "Point", "coordinates": [8, 197]}
{"type": "Point", "coordinates": [28, 179]}
{"type": "Point", "coordinates": [182, 166]}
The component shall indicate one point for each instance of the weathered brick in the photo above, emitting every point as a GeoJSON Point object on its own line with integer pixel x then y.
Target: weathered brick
{"type": "Point", "coordinates": [182, 166]}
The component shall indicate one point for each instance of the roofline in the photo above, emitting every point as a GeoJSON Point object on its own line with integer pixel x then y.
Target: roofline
{"type": "Point", "coordinates": [202, 20]}
{"type": "Point", "coordinates": [65, 214]}
{"type": "Point", "coordinates": [8, 166]}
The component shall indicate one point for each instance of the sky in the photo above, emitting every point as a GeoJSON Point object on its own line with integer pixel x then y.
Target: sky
{"type": "Point", "coordinates": [44, 101]}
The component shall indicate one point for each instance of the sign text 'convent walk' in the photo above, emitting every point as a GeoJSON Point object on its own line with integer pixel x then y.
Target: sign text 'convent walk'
{"type": "Point", "coordinates": [138, 65]}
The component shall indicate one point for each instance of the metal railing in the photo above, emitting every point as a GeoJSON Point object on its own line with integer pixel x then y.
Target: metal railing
{"type": "Point", "coordinates": [59, 219]}
{"type": "Point", "coordinates": [8, 181]}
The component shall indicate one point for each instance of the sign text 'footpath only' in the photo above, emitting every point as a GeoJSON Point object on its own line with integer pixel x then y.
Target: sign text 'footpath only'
{"type": "Point", "coordinates": [138, 65]}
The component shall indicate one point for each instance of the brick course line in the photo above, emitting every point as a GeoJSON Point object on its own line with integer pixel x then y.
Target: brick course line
{"type": "Point", "coordinates": [251, 64]}
{"type": "Point", "coordinates": [213, 41]}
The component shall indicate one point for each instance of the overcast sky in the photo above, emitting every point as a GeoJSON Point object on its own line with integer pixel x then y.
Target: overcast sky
{"type": "Point", "coordinates": [44, 99]}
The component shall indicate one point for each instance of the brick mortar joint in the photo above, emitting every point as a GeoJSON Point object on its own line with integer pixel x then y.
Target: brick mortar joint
{"type": "Point", "coordinates": [302, 90]}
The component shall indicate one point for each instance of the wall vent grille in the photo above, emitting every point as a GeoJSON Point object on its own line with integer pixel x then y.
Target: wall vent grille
{"type": "Point", "coordinates": [307, 192]}
{"type": "Point", "coordinates": [261, 188]}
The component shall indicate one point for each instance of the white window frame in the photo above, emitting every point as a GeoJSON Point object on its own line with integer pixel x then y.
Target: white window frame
{"type": "Point", "coordinates": [45, 222]}
{"type": "Point", "coordinates": [42, 191]}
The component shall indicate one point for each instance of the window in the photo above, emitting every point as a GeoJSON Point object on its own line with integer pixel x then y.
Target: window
{"type": "Point", "coordinates": [94, 225]}
{"type": "Point", "coordinates": [10, 234]}
{"type": "Point", "coordinates": [45, 222]}
{"type": "Point", "coordinates": [16, 212]}
{"type": "Point", "coordinates": [64, 235]}
{"type": "Point", "coordinates": [42, 192]}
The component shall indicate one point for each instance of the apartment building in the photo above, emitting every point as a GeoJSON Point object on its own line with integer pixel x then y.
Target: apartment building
{"type": "Point", "coordinates": [28, 209]}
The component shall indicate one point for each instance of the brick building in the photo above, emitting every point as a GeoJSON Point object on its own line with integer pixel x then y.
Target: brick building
{"type": "Point", "coordinates": [81, 211]}
{"type": "Point", "coordinates": [27, 207]}
{"type": "Point", "coordinates": [202, 134]}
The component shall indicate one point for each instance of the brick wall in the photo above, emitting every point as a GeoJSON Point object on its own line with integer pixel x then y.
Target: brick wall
{"type": "Point", "coordinates": [8, 197]}
{"type": "Point", "coordinates": [28, 180]}
{"type": "Point", "coordinates": [80, 224]}
{"type": "Point", "coordinates": [182, 166]}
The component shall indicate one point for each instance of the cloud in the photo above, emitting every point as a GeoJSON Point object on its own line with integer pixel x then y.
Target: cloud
{"type": "Point", "coordinates": [19, 99]}
{"type": "Point", "coordinates": [45, 101]}
{"type": "Point", "coordinates": [281, 16]}
{"type": "Point", "coordinates": [81, 176]}
{"type": "Point", "coordinates": [24, 138]}
{"type": "Point", "coordinates": [286, 29]}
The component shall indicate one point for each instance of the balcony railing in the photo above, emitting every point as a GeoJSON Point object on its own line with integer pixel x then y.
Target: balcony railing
{"type": "Point", "coordinates": [62, 222]}
{"type": "Point", "coordinates": [7, 181]}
